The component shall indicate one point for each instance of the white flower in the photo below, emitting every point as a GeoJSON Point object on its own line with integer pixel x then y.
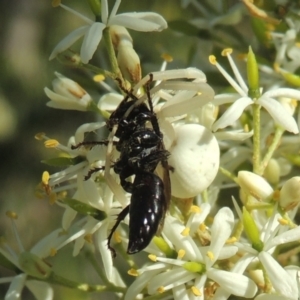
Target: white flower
{"type": "Point", "coordinates": [143, 21]}
{"type": "Point", "coordinates": [282, 282]}
{"type": "Point", "coordinates": [67, 94]}
{"type": "Point", "coordinates": [241, 101]}
{"type": "Point", "coordinates": [194, 265]}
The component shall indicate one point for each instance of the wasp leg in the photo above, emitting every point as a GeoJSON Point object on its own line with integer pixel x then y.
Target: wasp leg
{"type": "Point", "coordinates": [120, 218]}
{"type": "Point", "coordinates": [92, 171]}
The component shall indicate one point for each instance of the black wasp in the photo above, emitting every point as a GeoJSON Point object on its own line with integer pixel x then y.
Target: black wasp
{"type": "Point", "coordinates": [140, 143]}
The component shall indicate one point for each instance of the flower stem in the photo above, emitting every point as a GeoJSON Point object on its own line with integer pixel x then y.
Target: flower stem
{"type": "Point", "coordinates": [112, 55]}
{"type": "Point", "coordinates": [256, 138]}
{"type": "Point", "coordinates": [273, 146]}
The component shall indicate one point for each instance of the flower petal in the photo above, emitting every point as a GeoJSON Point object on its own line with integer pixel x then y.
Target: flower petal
{"type": "Point", "coordinates": [90, 42]}
{"type": "Point", "coordinates": [220, 232]}
{"type": "Point", "coordinates": [69, 40]}
{"type": "Point", "coordinates": [292, 235]}
{"type": "Point", "coordinates": [279, 114]}
{"type": "Point", "coordinates": [143, 21]}
{"type": "Point", "coordinates": [232, 113]}
{"type": "Point", "coordinates": [233, 283]}
{"type": "Point", "coordinates": [15, 288]}
{"type": "Point", "coordinates": [41, 290]}
{"type": "Point", "coordinates": [282, 282]}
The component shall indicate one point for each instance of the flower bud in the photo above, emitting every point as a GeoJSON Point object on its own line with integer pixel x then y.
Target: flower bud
{"type": "Point", "coordinates": [253, 76]}
{"type": "Point", "coordinates": [67, 94]}
{"type": "Point", "coordinates": [251, 230]}
{"type": "Point", "coordinates": [272, 171]}
{"type": "Point", "coordinates": [128, 60]}
{"type": "Point", "coordinates": [254, 185]}
{"type": "Point", "coordinates": [290, 194]}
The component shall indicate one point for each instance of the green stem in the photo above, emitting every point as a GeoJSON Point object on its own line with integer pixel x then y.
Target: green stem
{"type": "Point", "coordinates": [229, 174]}
{"type": "Point", "coordinates": [256, 138]}
{"type": "Point", "coordinates": [56, 279]}
{"type": "Point", "coordinates": [271, 149]}
{"type": "Point", "coordinates": [112, 55]}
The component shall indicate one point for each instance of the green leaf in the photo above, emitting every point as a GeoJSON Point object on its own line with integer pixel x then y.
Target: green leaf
{"type": "Point", "coordinates": [85, 209]}
{"type": "Point", "coordinates": [63, 161]}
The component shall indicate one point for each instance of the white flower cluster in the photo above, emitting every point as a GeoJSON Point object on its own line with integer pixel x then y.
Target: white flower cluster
{"type": "Point", "coordinates": [205, 249]}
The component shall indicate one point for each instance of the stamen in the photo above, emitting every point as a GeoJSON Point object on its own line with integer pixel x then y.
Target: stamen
{"type": "Point", "coordinates": [99, 78]}
{"type": "Point", "coordinates": [226, 51]}
{"type": "Point", "coordinates": [167, 57]}
{"type": "Point", "coordinates": [152, 257]}
{"type": "Point", "coordinates": [133, 272]}
{"type": "Point", "coordinates": [210, 255]}
{"type": "Point", "coordinates": [161, 289]}
{"type": "Point", "coordinates": [40, 136]}
{"type": "Point", "coordinates": [196, 291]}
{"type": "Point", "coordinates": [202, 227]}
{"type": "Point", "coordinates": [231, 240]}
{"type": "Point", "coordinates": [181, 254]}
{"type": "Point", "coordinates": [283, 221]}
{"type": "Point", "coordinates": [212, 59]}
{"type": "Point", "coordinates": [45, 178]}
{"type": "Point", "coordinates": [195, 209]}
{"type": "Point", "coordinates": [51, 143]}
{"type": "Point", "coordinates": [186, 231]}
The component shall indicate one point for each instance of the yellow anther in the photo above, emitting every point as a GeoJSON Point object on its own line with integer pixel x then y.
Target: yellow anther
{"type": "Point", "coordinates": [89, 238]}
{"type": "Point", "coordinates": [181, 253]}
{"type": "Point", "coordinates": [45, 178]}
{"type": "Point", "coordinates": [12, 215]}
{"type": "Point", "coordinates": [202, 227]}
{"type": "Point", "coordinates": [133, 272]}
{"type": "Point", "coordinates": [195, 209]}
{"type": "Point", "coordinates": [196, 291]}
{"type": "Point", "coordinates": [53, 252]}
{"type": "Point", "coordinates": [226, 51]}
{"type": "Point", "coordinates": [40, 136]}
{"type": "Point", "coordinates": [51, 143]}
{"type": "Point", "coordinates": [185, 231]}
{"type": "Point", "coordinates": [99, 78]}
{"type": "Point", "coordinates": [152, 257]}
{"type": "Point", "coordinates": [161, 289]}
{"type": "Point", "coordinates": [246, 127]}
{"type": "Point", "coordinates": [212, 59]}
{"type": "Point", "coordinates": [283, 221]}
{"type": "Point", "coordinates": [55, 3]}
{"type": "Point", "coordinates": [117, 237]}
{"type": "Point", "coordinates": [231, 240]}
{"type": "Point", "coordinates": [167, 57]}
{"type": "Point", "coordinates": [210, 255]}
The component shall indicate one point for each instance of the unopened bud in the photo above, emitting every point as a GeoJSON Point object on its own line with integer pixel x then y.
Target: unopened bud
{"type": "Point", "coordinates": [290, 194]}
{"type": "Point", "coordinates": [272, 171]}
{"type": "Point", "coordinates": [255, 185]}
